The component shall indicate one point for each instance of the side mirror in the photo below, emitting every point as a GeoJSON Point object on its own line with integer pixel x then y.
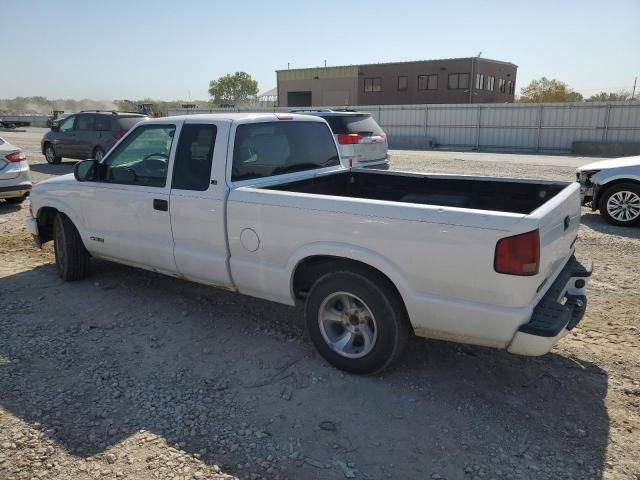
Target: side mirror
{"type": "Point", "coordinates": [55, 127]}
{"type": "Point", "coordinates": [85, 171]}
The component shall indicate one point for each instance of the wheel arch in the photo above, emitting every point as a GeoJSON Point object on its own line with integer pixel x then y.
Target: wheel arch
{"type": "Point", "coordinates": [603, 187]}
{"type": "Point", "coordinates": [46, 215]}
{"type": "Point", "coordinates": [309, 267]}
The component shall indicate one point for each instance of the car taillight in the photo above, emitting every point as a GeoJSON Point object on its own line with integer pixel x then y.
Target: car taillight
{"type": "Point", "coordinates": [16, 156]}
{"type": "Point", "coordinates": [383, 136]}
{"type": "Point", "coordinates": [518, 255]}
{"type": "Point", "coordinates": [118, 134]}
{"type": "Point", "coordinates": [349, 138]}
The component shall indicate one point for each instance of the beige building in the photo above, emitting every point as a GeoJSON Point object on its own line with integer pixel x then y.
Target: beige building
{"type": "Point", "coordinates": [453, 80]}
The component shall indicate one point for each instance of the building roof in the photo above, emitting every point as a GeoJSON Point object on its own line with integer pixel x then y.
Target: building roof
{"type": "Point", "coordinates": [400, 63]}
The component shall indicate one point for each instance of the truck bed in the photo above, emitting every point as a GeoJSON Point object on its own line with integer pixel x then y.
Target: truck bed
{"type": "Point", "coordinates": [504, 195]}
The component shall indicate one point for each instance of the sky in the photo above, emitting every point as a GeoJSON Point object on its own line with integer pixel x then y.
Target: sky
{"type": "Point", "coordinates": [168, 49]}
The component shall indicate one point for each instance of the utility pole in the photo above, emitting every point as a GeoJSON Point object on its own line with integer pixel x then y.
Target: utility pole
{"type": "Point", "coordinates": [633, 95]}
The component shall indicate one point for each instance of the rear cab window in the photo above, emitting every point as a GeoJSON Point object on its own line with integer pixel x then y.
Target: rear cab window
{"type": "Point", "coordinates": [275, 148]}
{"type": "Point", "coordinates": [192, 163]}
{"type": "Point", "coordinates": [363, 124]}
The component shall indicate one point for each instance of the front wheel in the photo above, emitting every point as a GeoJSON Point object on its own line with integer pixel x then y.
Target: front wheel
{"type": "Point", "coordinates": [620, 204]}
{"type": "Point", "coordinates": [72, 259]}
{"type": "Point", "coordinates": [356, 321]}
{"type": "Point", "coordinates": [50, 155]}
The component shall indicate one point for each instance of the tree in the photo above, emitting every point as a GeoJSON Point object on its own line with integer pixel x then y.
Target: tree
{"type": "Point", "coordinates": [233, 89]}
{"type": "Point", "coordinates": [548, 90]}
{"type": "Point", "coordinates": [618, 96]}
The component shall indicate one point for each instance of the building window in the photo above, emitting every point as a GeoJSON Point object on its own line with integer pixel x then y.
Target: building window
{"type": "Point", "coordinates": [490, 83]}
{"type": "Point", "coordinates": [510, 88]}
{"type": "Point", "coordinates": [479, 81]}
{"type": "Point", "coordinates": [458, 80]}
{"type": "Point", "coordinates": [373, 84]}
{"type": "Point", "coordinates": [501, 85]}
{"type": "Point", "coordinates": [428, 82]}
{"type": "Point", "coordinates": [403, 83]}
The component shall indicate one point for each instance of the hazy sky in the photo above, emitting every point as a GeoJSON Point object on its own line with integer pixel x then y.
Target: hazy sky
{"type": "Point", "coordinates": [165, 48]}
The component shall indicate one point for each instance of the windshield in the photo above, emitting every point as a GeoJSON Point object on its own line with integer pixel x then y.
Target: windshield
{"type": "Point", "coordinates": [275, 148]}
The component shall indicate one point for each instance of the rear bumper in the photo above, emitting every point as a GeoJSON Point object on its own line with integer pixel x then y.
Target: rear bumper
{"type": "Point", "coordinates": [18, 190]}
{"type": "Point", "coordinates": [382, 164]}
{"type": "Point", "coordinates": [557, 312]}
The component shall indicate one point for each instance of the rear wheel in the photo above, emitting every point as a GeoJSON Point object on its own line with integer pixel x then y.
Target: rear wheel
{"type": "Point", "coordinates": [50, 154]}
{"type": "Point", "coordinates": [98, 154]}
{"type": "Point", "coordinates": [356, 321]}
{"type": "Point", "coordinates": [72, 259]}
{"type": "Point", "coordinates": [620, 204]}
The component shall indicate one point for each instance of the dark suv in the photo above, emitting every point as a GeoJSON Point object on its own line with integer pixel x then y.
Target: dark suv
{"type": "Point", "coordinates": [86, 134]}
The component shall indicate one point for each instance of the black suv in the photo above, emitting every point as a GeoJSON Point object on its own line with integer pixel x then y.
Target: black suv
{"type": "Point", "coordinates": [88, 134]}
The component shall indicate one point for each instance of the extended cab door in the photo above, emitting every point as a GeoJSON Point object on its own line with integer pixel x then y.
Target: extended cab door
{"type": "Point", "coordinates": [126, 213]}
{"type": "Point", "coordinates": [197, 204]}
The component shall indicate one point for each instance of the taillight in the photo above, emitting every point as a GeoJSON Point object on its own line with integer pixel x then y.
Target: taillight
{"type": "Point", "coordinates": [349, 138]}
{"type": "Point", "coordinates": [118, 134]}
{"type": "Point", "coordinates": [518, 255]}
{"type": "Point", "coordinates": [383, 136]}
{"type": "Point", "coordinates": [16, 156]}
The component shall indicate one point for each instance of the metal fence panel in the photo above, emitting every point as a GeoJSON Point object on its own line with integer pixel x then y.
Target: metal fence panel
{"type": "Point", "coordinates": [515, 126]}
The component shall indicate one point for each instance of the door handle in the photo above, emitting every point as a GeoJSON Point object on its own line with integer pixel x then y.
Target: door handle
{"type": "Point", "coordinates": [159, 204]}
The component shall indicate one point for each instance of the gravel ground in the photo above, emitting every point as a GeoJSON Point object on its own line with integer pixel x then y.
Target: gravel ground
{"type": "Point", "coordinates": [130, 374]}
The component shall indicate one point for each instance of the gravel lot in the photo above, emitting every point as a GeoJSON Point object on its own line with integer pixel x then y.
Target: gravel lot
{"type": "Point", "coordinates": [130, 374]}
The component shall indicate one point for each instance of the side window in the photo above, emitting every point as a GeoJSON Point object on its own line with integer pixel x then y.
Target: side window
{"type": "Point", "coordinates": [143, 158]}
{"type": "Point", "coordinates": [274, 148]}
{"type": "Point", "coordinates": [67, 124]}
{"type": "Point", "coordinates": [84, 122]}
{"type": "Point", "coordinates": [192, 164]}
{"type": "Point", "coordinates": [103, 123]}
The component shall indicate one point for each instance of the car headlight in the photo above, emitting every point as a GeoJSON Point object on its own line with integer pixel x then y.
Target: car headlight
{"type": "Point", "coordinates": [584, 177]}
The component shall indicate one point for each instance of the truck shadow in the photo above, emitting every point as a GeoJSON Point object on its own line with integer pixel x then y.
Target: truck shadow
{"type": "Point", "coordinates": [96, 361]}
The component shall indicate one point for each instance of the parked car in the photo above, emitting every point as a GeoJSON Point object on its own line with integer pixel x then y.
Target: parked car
{"type": "Point", "coordinates": [361, 141]}
{"type": "Point", "coordinates": [15, 177]}
{"type": "Point", "coordinates": [613, 187]}
{"type": "Point", "coordinates": [260, 204]}
{"type": "Point", "coordinates": [87, 134]}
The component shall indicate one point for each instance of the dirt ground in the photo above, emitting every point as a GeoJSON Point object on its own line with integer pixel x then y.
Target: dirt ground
{"type": "Point", "coordinates": [130, 374]}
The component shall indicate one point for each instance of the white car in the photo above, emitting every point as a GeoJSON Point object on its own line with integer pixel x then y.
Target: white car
{"type": "Point", "coordinates": [613, 187]}
{"type": "Point", "coordinates": [15, 176]}
{"type": "Point", "coordinates": [260, 204]}
{"type": "Point", "coordinates": [361, 141]}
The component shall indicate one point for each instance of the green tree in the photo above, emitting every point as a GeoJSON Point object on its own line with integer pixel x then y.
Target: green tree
{"type": "Point", "coordinates": [548, 90]}
{"type": "Point", "coordinates": [233, 89]}
{"type": "Point", "coordinates": [619, 96]}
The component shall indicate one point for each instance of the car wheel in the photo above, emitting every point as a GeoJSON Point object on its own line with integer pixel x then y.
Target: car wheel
{"type": "Point", "coordinates": [98, 154]}
{"type": "Point", "coordinates": [620, 204]}
{"type": "Point", "coordinates": [16, 200]}
{"type": "Point", "coordinates": [50, 155]}
{"type": "Point", "coordinates": [356, 321]}
{"type": "Point", "coordinates": [72, 259]}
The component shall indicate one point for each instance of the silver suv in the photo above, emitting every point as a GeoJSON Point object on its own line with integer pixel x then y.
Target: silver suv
{"type": "Point", "coordinates": [361, 141]}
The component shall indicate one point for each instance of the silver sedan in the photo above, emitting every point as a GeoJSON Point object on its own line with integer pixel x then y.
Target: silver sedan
{"type": "Point", "coordinates": [15, 177]}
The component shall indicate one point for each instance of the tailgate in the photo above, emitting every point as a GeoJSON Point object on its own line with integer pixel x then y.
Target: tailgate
{"type": "Point", "coordinates": [370, 148]}
{"type": "Point", "coordinates": [558, 220]}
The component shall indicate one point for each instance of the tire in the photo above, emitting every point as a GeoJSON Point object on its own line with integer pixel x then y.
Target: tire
{"type": "Point", "coordinates": [98, 153]}
{"type": "Point", "coordinates": [72, 259]}
{"type": "Point", "coordinates": [383, 317]}
{"type": "Point", "coordinates": [16, 200]}
{"type": "Point", "coordinates": [620, 204]}
{"type": "Point", "coordinates": [50, 155]}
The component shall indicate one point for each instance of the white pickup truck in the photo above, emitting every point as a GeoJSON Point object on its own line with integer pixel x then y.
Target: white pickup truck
{"type": "Point", "coordinates": [260, 204]}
